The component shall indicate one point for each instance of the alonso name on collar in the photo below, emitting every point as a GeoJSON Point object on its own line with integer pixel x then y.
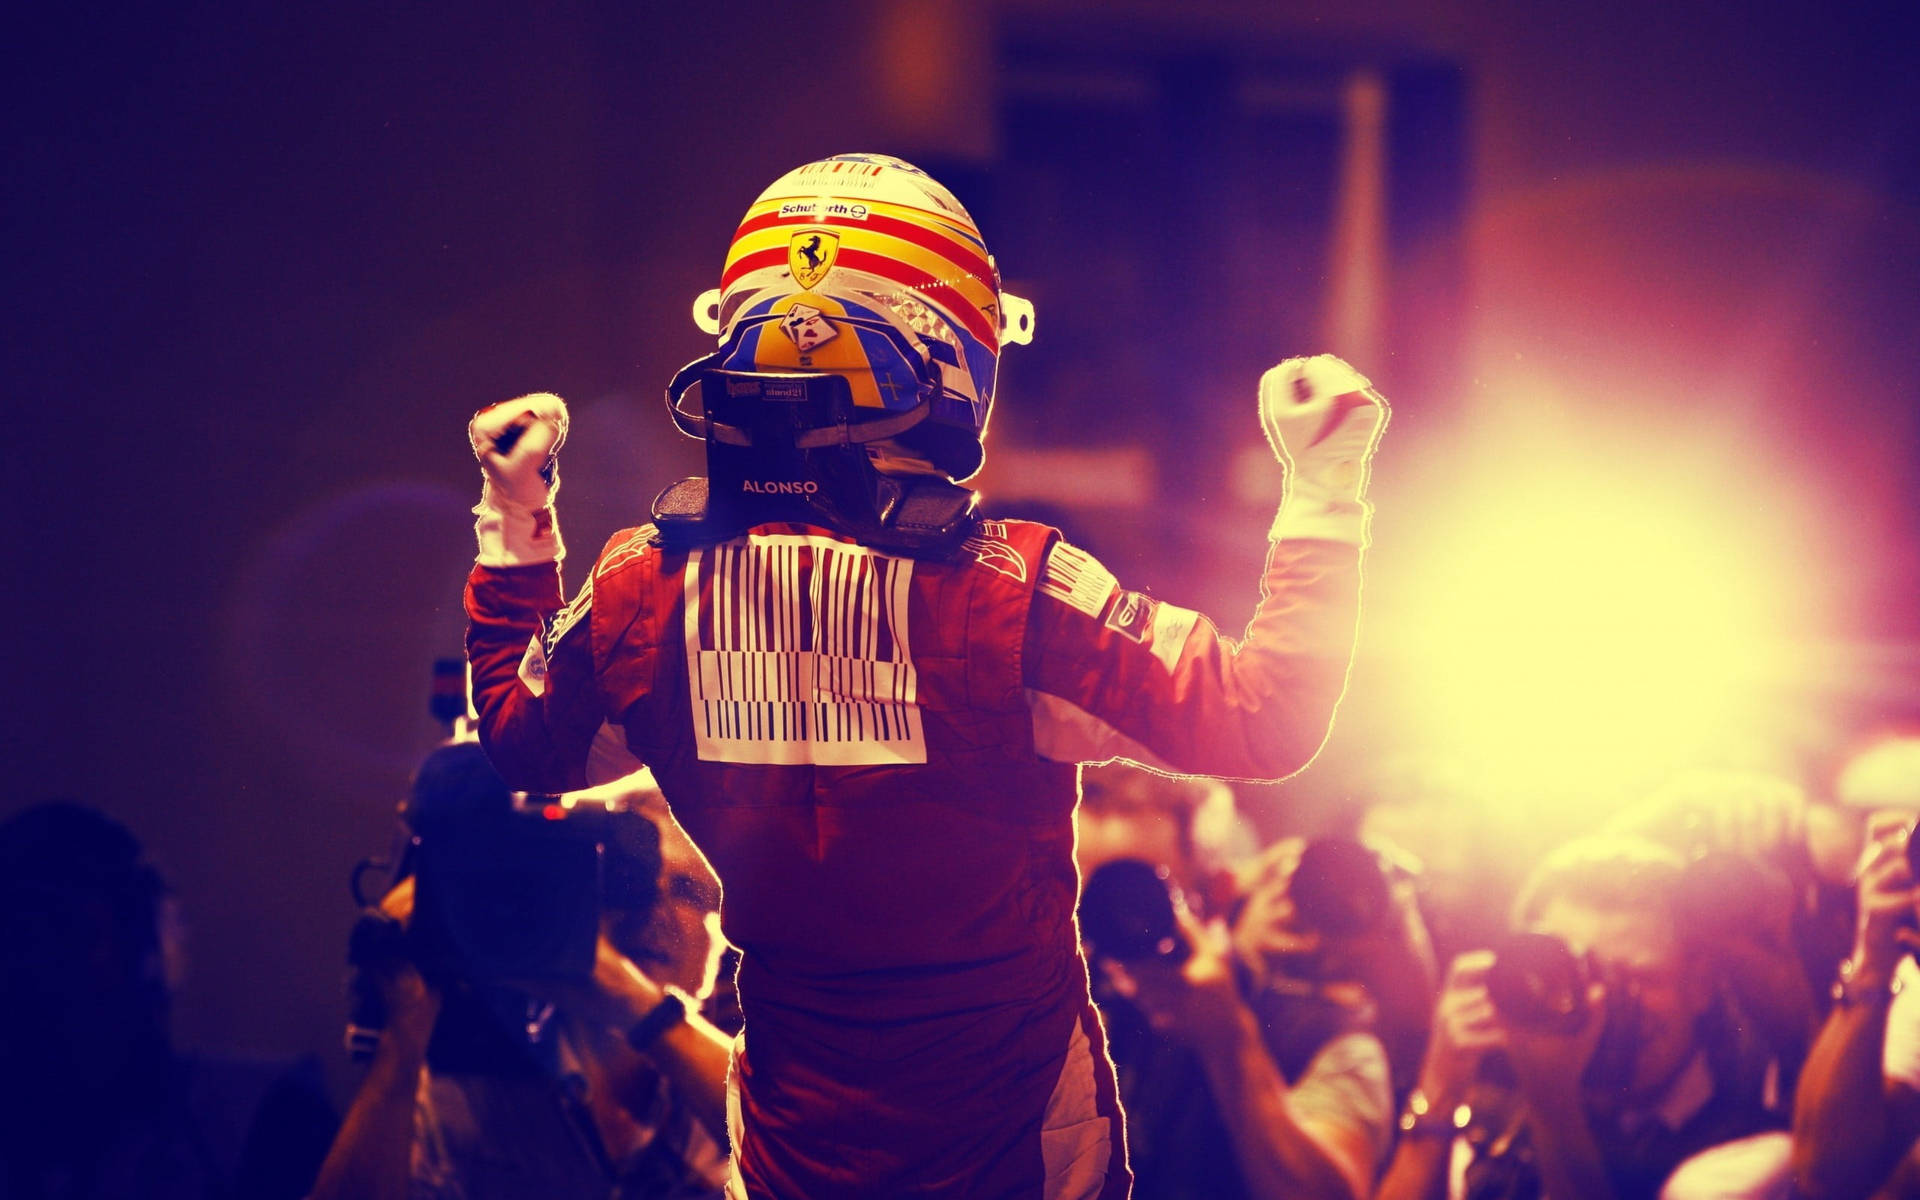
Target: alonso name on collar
{"type": "Point", "coordinates": [780, 487]}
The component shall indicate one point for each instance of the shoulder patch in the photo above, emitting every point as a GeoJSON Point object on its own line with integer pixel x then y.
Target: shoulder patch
{"type": "Point", "coordinates": [990, 548]}
{"type": "Point", "coordinates": [1077, 579]}
{"type": "Point", "coordinates": [559, 623]}
{"type": "Point", "coordinates": [533, 667]}
{"type": "Point", "coordinates": [1132, 616]}
{"type": "Point", "coordinates": [1161, 627]}
{"type": "Point", "coordinates": [617, 555]}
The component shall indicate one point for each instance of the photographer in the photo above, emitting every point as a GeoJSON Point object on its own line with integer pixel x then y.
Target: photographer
{"type": "Point", "coordinates": [1248, 1066]}
{"type": "Point", "coordinates": [100, 1102]}
{"type": "Point", "coordinates": [593, 1083]}
{"type": "Point", "coordinates": [1770, 891]}
{"type": "Point", "coordinates": [1856, 1116]}
{"type": "Point", "coordinates": [1591, 1055]}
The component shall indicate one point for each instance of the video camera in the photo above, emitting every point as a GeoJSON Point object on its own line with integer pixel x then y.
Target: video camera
{"type": "Point", "coordinates": [508, 888]}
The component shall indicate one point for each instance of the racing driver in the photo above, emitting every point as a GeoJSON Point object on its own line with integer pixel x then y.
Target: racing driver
{"type": "Point", "coordinates": [867, 706]}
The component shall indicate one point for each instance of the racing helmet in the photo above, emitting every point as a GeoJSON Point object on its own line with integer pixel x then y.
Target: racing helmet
{"type": "Point", "coordinates": [862, 266]}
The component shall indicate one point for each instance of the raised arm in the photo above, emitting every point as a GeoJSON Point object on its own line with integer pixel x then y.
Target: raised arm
{"type": "Point", "coordinates": [1112, 673]}
{"type": "Point", "coordinates": [532, 683]}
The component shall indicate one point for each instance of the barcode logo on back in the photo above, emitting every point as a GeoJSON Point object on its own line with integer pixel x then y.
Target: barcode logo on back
{"type": "Point", "coordinates": [797, 653]}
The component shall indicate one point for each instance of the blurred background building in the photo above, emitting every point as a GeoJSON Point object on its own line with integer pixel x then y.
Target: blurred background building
{"type": "Point", "coordinates": [1643, 281]}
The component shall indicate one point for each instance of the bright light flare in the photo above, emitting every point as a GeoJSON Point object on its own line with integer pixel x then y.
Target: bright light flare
{"type": "Point", "coordinates": [1887, 775]}
{"type": "Point", "coordinates": [1590, 622]}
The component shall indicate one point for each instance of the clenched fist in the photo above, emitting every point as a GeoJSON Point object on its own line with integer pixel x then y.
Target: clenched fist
{"type": "Point", "coordinates": [1324, 420]}
{"type": "Point", "coordinates": [518, 444]}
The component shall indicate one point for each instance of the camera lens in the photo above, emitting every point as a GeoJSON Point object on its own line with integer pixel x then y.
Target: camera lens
{"type": "Point", "coordinates": [1537, 982]}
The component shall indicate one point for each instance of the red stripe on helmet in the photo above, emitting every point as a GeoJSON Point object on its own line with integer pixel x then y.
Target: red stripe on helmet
{"type": "Point", "coordinates": [954, 249]}
{"type": "Point", "coordinates": [773, 257]}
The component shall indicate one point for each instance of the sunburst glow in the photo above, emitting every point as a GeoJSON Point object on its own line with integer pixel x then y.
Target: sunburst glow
{"type": "Point", "coordinates": [1599, 619]}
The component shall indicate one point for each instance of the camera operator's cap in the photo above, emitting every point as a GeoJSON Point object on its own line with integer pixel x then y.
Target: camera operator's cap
{"type": "Point", "coordinates": [456, 784]}
{"type": "Point", "coordinates": [1887, 775]}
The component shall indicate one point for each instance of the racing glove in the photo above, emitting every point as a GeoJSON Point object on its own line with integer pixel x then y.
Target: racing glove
{"type": "Point", "coordinates": [518, 444]}
{"type": "Point", "coordinates": [1323, 420]}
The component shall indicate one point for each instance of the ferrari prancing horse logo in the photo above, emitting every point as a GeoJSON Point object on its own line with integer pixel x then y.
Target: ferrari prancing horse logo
{"type": "Point", "coordinates": [810, 255]}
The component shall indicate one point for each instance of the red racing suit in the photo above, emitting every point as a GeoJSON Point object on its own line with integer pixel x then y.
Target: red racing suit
{"type": "Point", "coordinates": [878, 755]}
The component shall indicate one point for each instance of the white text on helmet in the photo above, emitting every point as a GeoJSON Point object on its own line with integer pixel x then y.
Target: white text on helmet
{"type": "Point", "coordinates": [814, 208]}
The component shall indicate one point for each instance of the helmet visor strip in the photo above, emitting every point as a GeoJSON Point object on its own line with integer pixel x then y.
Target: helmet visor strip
{"type": "Point", "coordinates": [934, 397]}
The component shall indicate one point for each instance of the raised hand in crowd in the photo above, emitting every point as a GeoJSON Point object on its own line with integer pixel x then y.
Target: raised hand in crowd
{"type": "Point", "coordinates": [369, 1159]}
{"type": "Point", "coordinates": [1465, 1027]}
{"type": "Point", "coordinates": [1857, 1110]}
{"type": "Point", "coordinates": [689, 1052]}
{"type": "Point", "coordinates": [1545, 1063]}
